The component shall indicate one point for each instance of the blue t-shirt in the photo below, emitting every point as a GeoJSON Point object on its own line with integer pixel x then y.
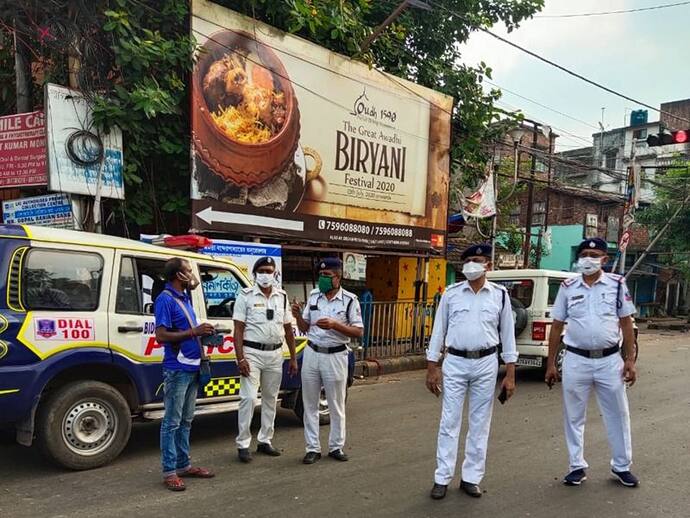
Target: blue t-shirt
{"type": "Point", "coordinates": [169, 315]}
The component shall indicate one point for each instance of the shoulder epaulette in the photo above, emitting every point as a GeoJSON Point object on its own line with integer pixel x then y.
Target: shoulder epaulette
{"type": "Point", "coordinates": [455, 285]}
{"type": "Point", "coordinates": [568, 282]}
{"type": "Point", "coordinates": [247, 290]}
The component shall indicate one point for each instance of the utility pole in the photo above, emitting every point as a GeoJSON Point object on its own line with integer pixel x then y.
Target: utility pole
{"type": "Point", "coordinates": [526, 245]}
{"type": "Point", "coordinates": [22, 67]}
{"type": "Point", "coordinates": [548, 199]}
{"type": "Point", "coordinates": [391, 18]}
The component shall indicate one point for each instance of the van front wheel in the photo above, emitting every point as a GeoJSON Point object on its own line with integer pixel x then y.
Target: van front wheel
{"type": "Point", "coordinates": [83, 425]}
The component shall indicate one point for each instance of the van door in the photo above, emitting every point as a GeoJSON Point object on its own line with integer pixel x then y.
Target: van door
{"type": "Point", "coordinates": [139, 279]}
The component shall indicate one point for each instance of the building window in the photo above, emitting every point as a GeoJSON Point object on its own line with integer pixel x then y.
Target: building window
{"type": "Point", "coordinates": [640, 134]}
{"type": "Point", "coordinates": [538, 213]}
{"type": "Point", "coordinates": [62, 281]}
{"type": "Point", "coordinates": [611, 160]}
{"type": "Point", "coordinates": [514, 218]}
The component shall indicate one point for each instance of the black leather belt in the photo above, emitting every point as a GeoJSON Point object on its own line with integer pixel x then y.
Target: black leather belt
{"type": "Point", "coordinates": [472, 355]}
{"type": "Point", "coordinates": [594, 353]}
{"type": "Point", "coordinates": [328, 350]}
{"type": "Point", "coordinates": [262, 347]}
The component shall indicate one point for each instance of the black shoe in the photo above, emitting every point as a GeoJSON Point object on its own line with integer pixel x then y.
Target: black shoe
{"type": "Point", "coordinates": [471, 489]}
{"type": "Point", "coordinates": [575, 478]}
{"type": "Point", "coordinates": [266, 448]}
{"type": "Point", "coordinates": [438, 491]}
{"type": "Point", "coordinates": [244, 455]}
{"type": "Point", "coordinates": [311, 457]}
{"type": "Point", "coordinates": [338, 455]}
{"type": "Point", "coordinates": [626, 478]}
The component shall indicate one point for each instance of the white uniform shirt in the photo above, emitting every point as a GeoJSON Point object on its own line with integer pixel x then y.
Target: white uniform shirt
{"type": "Point", "coordinates": [344, 307]}
{"type": "Point", "coordinates": [593, 312]}
{"type": "Point", "coordinates": [469, 321]}
{"type": "Point", "coordinates": [250, 308]}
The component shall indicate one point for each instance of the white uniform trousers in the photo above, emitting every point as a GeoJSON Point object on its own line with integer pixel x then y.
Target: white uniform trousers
{"type": "Point", "coordinates": [330, 372]}
{"type": "Point", "coordinates": [265, 372]}
{"type": "Point", "coordinates": [461, 377]}
{"type": "Point", "coordinates": [580, 374]}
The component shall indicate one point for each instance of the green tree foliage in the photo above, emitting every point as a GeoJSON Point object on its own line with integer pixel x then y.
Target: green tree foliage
{"type": "Point", "coordinates": [135, 59]}
{"type": "Point", "coordinates": [670, 193]}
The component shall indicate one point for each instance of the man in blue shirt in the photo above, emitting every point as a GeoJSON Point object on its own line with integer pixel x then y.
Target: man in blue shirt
{"type": "Point", "coordinates": [178, 330]}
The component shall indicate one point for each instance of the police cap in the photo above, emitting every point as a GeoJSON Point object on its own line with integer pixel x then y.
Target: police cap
{"type": "Point", "coordinates": [481, 249]}
{"type": "Point", "coordinates": [264, 261]}
{"type": "Point", "coordinates": [594, 243]}
{"type": "Point", "coordinates": [330, 263]}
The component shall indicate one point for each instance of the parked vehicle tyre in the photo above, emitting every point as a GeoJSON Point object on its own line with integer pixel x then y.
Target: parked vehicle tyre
{"type": "Point", "coordinates": [560, 355]}
{"type": "Point", "coordinates": [519, 315]}
{"type": "Point", "coordinates": [324, 412]}
{"type": "Point", "coordinates": [83, 425]}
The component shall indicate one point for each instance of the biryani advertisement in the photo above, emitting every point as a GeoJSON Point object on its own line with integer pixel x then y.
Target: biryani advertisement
{"type": "Point", "coordinates": [293, 141]}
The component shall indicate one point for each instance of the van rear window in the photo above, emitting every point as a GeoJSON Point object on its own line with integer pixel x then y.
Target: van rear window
{"type": "Point", "coordinates": [520, 289]}
{"type": "Point", "coordinates": [61, 280]}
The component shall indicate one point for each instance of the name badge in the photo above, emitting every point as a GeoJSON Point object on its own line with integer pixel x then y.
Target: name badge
{"type": "Point", "coordinates": [577, 297]}
{"type": "Point", "coordinates": [313, 308]}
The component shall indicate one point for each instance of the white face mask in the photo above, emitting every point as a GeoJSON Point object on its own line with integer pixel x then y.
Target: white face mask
{"type": "Point", "coordinates": [589, 265]}
{"type": "Point", "coordinates": [264, 279]}
{"type": "Point", "coordinates": [473, 270]}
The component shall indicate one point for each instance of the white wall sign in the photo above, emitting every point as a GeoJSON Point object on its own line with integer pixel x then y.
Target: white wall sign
{"type": "Point", "coordinates": [75, 145]}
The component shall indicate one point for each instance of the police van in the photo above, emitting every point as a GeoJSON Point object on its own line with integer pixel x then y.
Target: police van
{"type": "Point", "coordinates": [78, 357]}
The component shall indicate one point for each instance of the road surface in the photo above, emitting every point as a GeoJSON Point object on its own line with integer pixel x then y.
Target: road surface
{"type": "Point", "coordinates": [392, 424]}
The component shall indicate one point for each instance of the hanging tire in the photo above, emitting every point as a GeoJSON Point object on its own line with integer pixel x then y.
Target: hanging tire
{"type": "Point", "coordinates": [519, 315]}
{"type": "Point", "coordinates": [83, 425]}
{"type": "Point", "coordinates": [324, 412]}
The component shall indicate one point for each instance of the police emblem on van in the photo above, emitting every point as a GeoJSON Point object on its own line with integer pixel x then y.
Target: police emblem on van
{"type": "Point", "coordinates": [45, 328]}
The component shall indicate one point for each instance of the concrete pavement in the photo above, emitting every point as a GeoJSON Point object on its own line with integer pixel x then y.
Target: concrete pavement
{"type": "Point", "coordinates": [392, 424]}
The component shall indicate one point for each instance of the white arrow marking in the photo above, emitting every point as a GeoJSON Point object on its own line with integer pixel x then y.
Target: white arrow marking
{"type": "Point", "coordinates": [209, 216]}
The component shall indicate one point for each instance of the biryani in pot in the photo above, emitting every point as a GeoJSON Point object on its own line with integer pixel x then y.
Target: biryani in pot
{"type": "Point", "coordinates": [245, 100]}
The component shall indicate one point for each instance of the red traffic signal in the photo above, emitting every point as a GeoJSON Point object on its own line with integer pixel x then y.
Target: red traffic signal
{"type": "Point", "coordinates": [666, 138]}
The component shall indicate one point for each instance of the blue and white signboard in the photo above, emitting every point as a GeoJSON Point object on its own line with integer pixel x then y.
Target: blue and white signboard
{"type": "Point", "coordinates": [52, 210]}
{"type": "Point", "coordinates": [81, 158]}
{"type": "Point", "coordinates": [224, 285]}
{"type": "Point", "coordinates": [245, 256]}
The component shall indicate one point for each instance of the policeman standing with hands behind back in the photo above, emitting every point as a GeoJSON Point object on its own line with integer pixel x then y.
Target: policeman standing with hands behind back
{"type": "Point", "coordinates": [596, 306]}
{"type": "Point", "coordinates": [331, 317]}
{"type": "Point", "coordinates": [472, 318]}
{"type": "Point", "coordinates": [261, 321]}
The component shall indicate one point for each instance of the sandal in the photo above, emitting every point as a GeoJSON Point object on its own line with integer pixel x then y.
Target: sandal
{"type": "Point", "coordinates": [197, 472]}
{"type": "Point", "coordinates": [174, 483]}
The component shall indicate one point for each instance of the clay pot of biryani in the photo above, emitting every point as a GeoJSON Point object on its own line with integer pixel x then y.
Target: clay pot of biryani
{"type": "Point", "coordinates": [244, 109]}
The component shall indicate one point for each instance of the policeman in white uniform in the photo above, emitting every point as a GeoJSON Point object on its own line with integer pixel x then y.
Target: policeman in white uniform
{"type": "Point", "coordinates": [331, 317]}
{"type": "Point", "coordinates": [472, 318]}
{"type": "Point", "coordinates": [262, 322]}
{"type": "Point", "coordinates": [597, 307]}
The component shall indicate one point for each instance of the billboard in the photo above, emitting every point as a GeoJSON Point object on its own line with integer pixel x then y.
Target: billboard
{"type": "Point", "coordinates": [51, 210]}
{"type": "Point", "coordinates": [78, 153]}
{"type": "Point", "coordinates": [293, 141]}
{"type": "Point", "coordinates": [23, 150]}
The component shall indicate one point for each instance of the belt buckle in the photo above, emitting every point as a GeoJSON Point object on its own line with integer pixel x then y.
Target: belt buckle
{"type": "Point", "coordinates": [599, 353]}
{"type": "Point", "coordinates": [474, 355]}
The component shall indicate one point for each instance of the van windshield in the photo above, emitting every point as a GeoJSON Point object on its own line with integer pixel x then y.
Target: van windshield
{"type": "Point", "coordinates": [520, 289]}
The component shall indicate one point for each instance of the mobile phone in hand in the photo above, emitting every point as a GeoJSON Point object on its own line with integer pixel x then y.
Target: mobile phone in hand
{"type": "Point", "coordinates": [503, 396]}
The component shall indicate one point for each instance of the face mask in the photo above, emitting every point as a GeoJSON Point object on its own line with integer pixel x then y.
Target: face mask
{"type": "Point", "coordinates": [589, 265]}
{"type": "Point", "coordinates": [473, 270]}
{"type": "Point", "coordinates": [325, 283]}
{"type": "Point", "coordinates": [190, 282]}
{"type": "Point", "coordinates": [264, 279]}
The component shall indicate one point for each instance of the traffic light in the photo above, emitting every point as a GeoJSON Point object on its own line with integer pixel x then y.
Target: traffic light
{"type": "Point", "coordinates": [666, 138]}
